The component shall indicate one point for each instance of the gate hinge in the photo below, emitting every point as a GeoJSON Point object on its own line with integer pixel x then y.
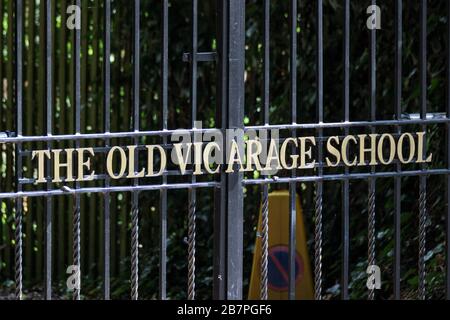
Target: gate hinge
{"type": "Point", "coordinates": [201, 56]}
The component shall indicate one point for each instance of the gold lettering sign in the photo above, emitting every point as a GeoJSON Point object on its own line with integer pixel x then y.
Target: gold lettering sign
{"type": "Point", "coordinates": [69, 165]}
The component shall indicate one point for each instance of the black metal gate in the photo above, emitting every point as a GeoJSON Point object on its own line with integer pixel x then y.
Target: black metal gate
{"type": "Point", "coordinates": [228, 187]}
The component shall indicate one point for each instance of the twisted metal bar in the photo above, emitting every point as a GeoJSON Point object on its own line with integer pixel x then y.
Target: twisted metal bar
{"type": "Point", "coordinates": [18, 148]}
{"type": "Point", "coordinates": [318, 243]}
{"type": "Point", "coordinates": [191, 243]}
{"type": "Point", "coordinates": [135, 251]}
{"type": "Point", "coordinates": [371, 230]}
{"type": "Point", "coordinates": [422, 240]}
{"type": "Point", "coordinates": [18, 248]}
{"type": "Point", "coordinates": [264, 241]}
{"type": "Point", "coordinates": [76, 243]}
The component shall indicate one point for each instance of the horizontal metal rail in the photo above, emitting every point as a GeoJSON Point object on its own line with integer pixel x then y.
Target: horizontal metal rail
{"type": "Point", "coordinates": [350, 176]}
{"type": "Point", "coordinates": [64, 191]}
{"type": "Point", "coordinates": [161, 133]}
{"type": "Point", "coordinates": [273, 180]}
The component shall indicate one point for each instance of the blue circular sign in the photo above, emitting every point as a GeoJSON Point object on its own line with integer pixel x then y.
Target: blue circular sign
{"type": "Point", "coordinates": [278, 268]}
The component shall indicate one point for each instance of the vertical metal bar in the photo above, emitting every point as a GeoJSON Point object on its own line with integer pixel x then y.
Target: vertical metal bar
{"type": "Point", "coordinates": [236, 67]}
{"type": "Point", "coordinates": [28, 126]}
{"type": "Point", "coordinates": [19, 102]}
{"type": "Point", "coordinates": [107, 101]}
{"type": "Point", "coordinates": [8, 115]}
{"type": "Point", "coordinates": [398, 112]}
{"type": "Point", "coordinates": [49, 200]}
{"type": "Point", "coordinates": [1, 72]}
{"type": "Point", "coordinates": [423, 179]}
{"type": "Point", "coordinates": [319, 184]}
{"type": "Point", "coordinates": [3, 227]}
{"type": "Point", "coordinates": [93, 114]}
{"type": "Point", "coordinates": [448, 159]}
{"type": "Point", "coordinates": [62, 128]}
{"type": "Point", "coordinates": [70, 114]}
{"type": "Point", "coordinates": [192, 192]}
{"type": "Point", "coordinates": [135, 201]}
{"type": "Point", "coordinates": [371, 181]}
{"type": "Point", "coordinates": [264, 241]}
{"type": "Point", "coordinates": [191, 243]}
{"type": "Point", "coordinates": [220, 233]}
{"type": "Point", "coordinates": [266, 61]}
{"type": "Point", "coordinates": [77, 199]}
{"type": "Point", "coordinates": [84, 99]}
{"type": "Point", "coordinates": [345, 182]}
{"type": "Point", "coordinates": [165, 115]}
{"type": "Point", "coordinates": [219, 289]}
{"type": "Point", "coordinates": [292, 185]}
{"type": "Point", "coordinates": [265, 187]}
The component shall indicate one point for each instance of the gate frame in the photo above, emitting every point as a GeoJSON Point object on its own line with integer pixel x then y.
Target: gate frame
{"type": "Point", "coordinates": [229, 197]}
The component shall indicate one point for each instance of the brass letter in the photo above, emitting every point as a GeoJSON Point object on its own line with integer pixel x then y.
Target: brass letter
{"type": "Point", "coordinates": [131, 168]}
{"type": "Point", "coordinates": [272, 155]}
{"type": "Point", "coordinates": [294, 157]}
{"type": "Point", "coordinates": [41, 157]}
{"type": "Point", "coordinates": [334, 151]}
{"type": "Point", "coordinates": [207, 154]}
{"type": "Point", "coordinates": [304, 152]}
{"type": "Point", "coordinates": [391, 148]}
{"type": "Point", "coordinates": [182, 162]}
{"type": "Point", "coordinates": [252, 156]}
{"type": "Point", "coordinates": [57, 165]}
{"type": "Point", "coordinates": [420, 149]}
{"type": "Point", "coordinates": [412, 148]}
{"type": "Point", "coordinates": [123, 163]}
{"type": "Point", "coordinates": [150, 159]}
{"type": "Point", "coordinates": [84, 164]}
{"type": "Point", "coordinates": [234, 156]}
{"type": "Point", "coordinates": [198, 158]}
{"type": "Point", "coordinates": [344, 151]}
{"type": "Point", "coordinates": [363, 149]}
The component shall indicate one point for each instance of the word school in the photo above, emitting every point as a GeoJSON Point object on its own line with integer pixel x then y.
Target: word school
{"type": "Point", "coordinates": [293, 153]}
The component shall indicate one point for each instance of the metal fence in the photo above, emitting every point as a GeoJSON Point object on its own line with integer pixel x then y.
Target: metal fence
{"type": "Point", "coordinates": [228, 188]}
